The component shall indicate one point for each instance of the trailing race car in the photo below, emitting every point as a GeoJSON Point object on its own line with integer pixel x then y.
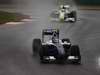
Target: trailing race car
{"type": "Point", "coordinates": [51, 48]}
{"type": "Point", "coordinates": [66, 13]}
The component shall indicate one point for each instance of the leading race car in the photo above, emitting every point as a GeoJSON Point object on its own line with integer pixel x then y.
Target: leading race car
{"type": "Point", "coordinates": [66, 13]}
{"type": "Point", "coordinates": [51, 48]}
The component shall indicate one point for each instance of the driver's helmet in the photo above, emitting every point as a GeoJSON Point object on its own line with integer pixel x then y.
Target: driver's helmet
{"type": "Point", "coordinates": [55, 38]}
{"type": "Point", "coordinates": [62, 7]}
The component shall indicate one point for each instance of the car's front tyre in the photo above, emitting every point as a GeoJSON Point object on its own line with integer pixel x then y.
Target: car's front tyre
{"type": "Point", "coordinates": [36, 46]}
{"type": "Point", "coordinates": [75, 51]}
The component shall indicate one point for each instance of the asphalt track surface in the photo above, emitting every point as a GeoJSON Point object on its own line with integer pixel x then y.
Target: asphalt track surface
{"type": "Point", "coordinates": [16, 43]}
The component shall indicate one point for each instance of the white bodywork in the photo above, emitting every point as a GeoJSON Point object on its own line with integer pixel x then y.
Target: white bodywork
{"type": "Point", "coordinates": [61, 15]}
{"type": "Point", "coordinates": [58, 45]}
{"type": "Point", "coordinates": [63, 10]}
{"type": "Point", "coordinates": [60, 42]}
{"type": "Point", "coordinates": [72, 57]}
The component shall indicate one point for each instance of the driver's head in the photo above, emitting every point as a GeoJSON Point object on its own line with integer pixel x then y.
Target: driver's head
{"type": "Point", "coordinates": [55, 38]}
{"type": "Point", "coordinates": [61, 6]}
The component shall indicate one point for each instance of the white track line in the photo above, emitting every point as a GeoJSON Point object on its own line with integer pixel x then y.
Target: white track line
{"type": "Point", "coordinates": [27, 20]}
{"type": "Point", "coordinates": [14, 23]}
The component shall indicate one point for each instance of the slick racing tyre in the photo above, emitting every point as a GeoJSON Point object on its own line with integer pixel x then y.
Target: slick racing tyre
{"type": "Point", "coordinates": [73, 15]}
{"type": "Point", "coordinates": [36, 46]}
{"type": "Point", "coordinates": [75, 51]}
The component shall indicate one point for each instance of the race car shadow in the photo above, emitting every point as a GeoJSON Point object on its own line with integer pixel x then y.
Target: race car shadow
{"type": "Point", "coordinates": [53, 62]}
{"type": "Point", "coordinates": [61, 63]}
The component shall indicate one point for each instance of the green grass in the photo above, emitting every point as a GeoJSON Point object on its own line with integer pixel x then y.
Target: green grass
{"type": "Point", "coordinates": [9, 17]}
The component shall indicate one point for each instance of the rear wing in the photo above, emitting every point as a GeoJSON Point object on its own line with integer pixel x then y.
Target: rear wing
{"type": "Point", "coordinates": [51, 32]}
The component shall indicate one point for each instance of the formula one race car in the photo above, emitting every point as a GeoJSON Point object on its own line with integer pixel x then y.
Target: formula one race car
{"type": "Point", "coordinates": [66, 13]}
{"type": "Point", "coordinates": [51, 48]}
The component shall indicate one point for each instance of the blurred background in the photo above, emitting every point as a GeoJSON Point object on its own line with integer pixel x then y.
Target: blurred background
{"type": "Point", "coordinates": [83, 2]}
{"type": "Point", "coordinates": [22, 5]}
{"type": "Point", "coordinates": [16, 3]}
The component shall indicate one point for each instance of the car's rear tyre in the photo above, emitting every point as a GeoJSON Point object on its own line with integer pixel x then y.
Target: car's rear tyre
{"type": "Point", "coordinates": [36, 46]}
{"type": "Point", "coordinates": [75, 51]}
{"type": "Point", "coordinates": [73, 14]}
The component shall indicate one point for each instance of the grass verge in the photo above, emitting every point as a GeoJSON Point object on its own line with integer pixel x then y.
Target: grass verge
{"type": "Point", "coordinates": [11, 17]}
